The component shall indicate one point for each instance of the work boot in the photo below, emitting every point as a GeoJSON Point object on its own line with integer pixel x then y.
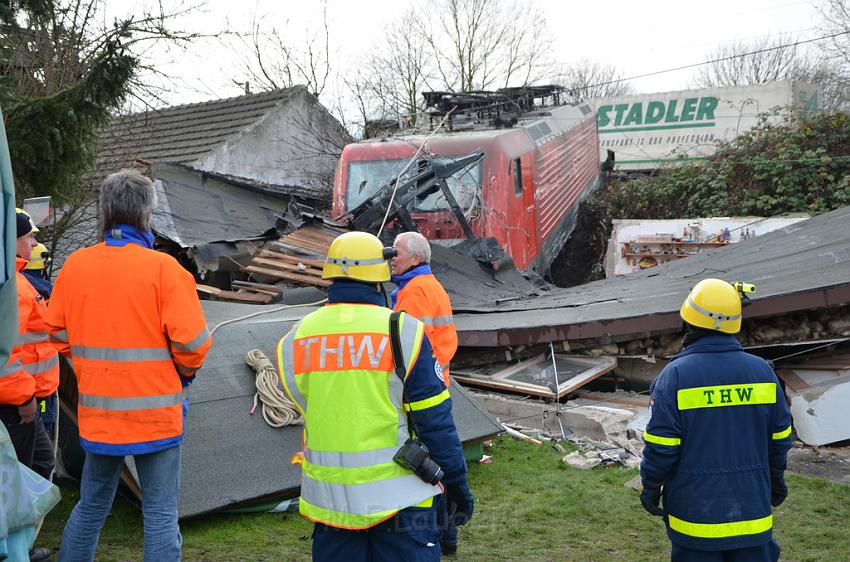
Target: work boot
{"type": "Point", "coordinates": [448, 548]}
{"type": "Point", "coordinates": [39, 554]}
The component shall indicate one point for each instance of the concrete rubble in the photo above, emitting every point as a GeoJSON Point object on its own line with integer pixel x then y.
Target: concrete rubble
{"type": "Point", "coordinates": [818, 387]}
{"type": "Point", "coordinates": [604, 434]}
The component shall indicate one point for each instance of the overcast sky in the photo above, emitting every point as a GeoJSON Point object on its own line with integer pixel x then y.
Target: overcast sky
{"type": "Point", "coordinates": [636, 37]}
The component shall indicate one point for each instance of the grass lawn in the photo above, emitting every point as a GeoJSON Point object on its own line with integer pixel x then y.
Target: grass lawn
{"type": "Point", "coordinates": [529, 507]}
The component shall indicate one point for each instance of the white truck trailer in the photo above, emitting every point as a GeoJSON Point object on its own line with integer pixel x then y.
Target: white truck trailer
{"type": "Point", "coordinates": [652, 131]}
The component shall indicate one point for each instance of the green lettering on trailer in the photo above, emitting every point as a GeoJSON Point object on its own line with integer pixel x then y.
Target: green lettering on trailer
{"type": "Point", "coordinates": [654, 112]}
{"type": "Point", "coordinates": [620, 108]}
{"type": "Point", "coordinates": [688, 109]}
{"type": "Point", "coordinates": [707, 105]}
{"type": "Point", "coordinates": [671, 116]}
{"type": "Point", "coordinates": [635, 116]}
{"type": "Point", "coordinates": [603, 110]}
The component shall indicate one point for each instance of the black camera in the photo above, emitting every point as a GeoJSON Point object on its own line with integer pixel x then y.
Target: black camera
{"type": "Point", "coordinates": [414, 456]}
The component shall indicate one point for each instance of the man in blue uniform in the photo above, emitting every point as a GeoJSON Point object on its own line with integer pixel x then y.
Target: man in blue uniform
{"type": "Point", "coordinates": [717, 439]}
{"type": "Point", "coordinates": [365, 389]}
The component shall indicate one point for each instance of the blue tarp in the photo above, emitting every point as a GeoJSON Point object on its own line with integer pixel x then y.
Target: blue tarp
{"type": "Point", "coordinates": [8, 294]}
{"type": "Point", "coordinates": [25, 497]}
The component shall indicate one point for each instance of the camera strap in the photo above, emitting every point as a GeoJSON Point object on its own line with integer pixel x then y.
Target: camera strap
{"type": "Point", "coordinates": [398, 362]}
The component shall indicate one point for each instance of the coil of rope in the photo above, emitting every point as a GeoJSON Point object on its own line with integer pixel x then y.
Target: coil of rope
{"type": "Point", "coordinates": [278, 409]}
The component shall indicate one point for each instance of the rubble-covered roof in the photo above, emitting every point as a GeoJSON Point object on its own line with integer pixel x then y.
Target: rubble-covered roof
{"type": "Point", "coordinates": [231, 458]}
{"type": "Point", "coordinates": [183, 133]}
{"type": "Point", "coordinates": [196, 209]}
{"type": "Point", "coordinates": [799, 267]}
{"type": "Point", "coordinates": [468, 282]}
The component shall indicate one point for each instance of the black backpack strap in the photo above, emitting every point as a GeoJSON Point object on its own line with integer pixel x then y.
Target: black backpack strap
{"type": "Point", "coordinates": [395, 345]}
{"type": "Point", "coordinates": [400, 368]}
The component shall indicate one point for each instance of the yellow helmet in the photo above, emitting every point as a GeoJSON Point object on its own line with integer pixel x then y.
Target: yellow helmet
{"type": "Point", "coordinates": [358, 256]}
{"type": "Point", "coordinates": [19, 211]}
{"type": "Point", "coordinates": [713, 304]}
{"type": "Point", "coordinates": [39, 258]}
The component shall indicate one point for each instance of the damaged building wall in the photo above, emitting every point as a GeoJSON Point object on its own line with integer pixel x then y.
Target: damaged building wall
{"type": "Point", "coordinates": [297, 144]}
{"type": "Point", "coordinates": [792, 327]}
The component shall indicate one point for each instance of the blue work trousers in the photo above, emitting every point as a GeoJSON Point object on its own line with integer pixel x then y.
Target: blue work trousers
{"type": "Point", "coordinates": [768, 552]}
{"type": "Point", "coordinates": [411, 535]}
{"type": "Point", "coordinates": [448, 529]}
{"type": "Point", "coordinates": [159, 479]}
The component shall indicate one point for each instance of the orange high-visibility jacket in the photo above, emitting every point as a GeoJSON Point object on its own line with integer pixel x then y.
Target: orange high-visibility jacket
{"type": "Point", "coordinates": [424, 298]}
{"type": "Point", "coordinates": [129, 319]}
{"type": "Point", "coordinates": [33, 367]}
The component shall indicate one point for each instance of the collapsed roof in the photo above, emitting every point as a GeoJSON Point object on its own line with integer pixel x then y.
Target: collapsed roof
{"type": "Point", "coordinates": [803, 266]}
{"type": "Point", "coordinates": [231, 458]}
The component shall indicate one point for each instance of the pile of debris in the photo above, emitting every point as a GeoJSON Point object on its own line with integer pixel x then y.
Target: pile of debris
{"type": "Point", "coordinates": [294, 259]}
{"type": "Point", "coordinates": [297, 256]}
{"type": "Point", "coordinates": [607, 429]}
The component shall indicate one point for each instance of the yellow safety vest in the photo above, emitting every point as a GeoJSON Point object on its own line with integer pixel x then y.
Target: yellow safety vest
{"type": "Point", "coordinates": [336, 365]}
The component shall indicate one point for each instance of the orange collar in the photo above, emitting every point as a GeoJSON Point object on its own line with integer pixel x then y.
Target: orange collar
{"type": "Point", "coordinates": [20, 263]}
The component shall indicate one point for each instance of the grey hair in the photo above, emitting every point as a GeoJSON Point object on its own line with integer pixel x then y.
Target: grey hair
{"type": "Point", "coordinates": [127, 197]}
{"type": "Point", "coordinates": [416, 244]}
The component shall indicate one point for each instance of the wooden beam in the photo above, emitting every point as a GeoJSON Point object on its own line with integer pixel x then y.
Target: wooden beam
{"type": "Point", "coordinates": [257, 286]}
{"type": "Point", "coordinates": [285, 275]}
{"type": "Point", "coordinates": [207, 290]}
{"type": "Point", "coordinates": [286, 266]}
{"type": "Point", "coordinates": [319, 264]}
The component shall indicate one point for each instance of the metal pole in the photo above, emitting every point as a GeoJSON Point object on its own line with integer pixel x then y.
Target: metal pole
{"type": "Point", "coordinates": [557, 392]}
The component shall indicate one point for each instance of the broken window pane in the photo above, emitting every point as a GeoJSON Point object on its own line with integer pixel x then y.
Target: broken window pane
{"type": "Point", "coordinates": [537, 376]}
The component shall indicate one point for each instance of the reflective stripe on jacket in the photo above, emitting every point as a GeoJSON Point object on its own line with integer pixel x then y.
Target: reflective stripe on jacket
{"type": "Point", "coordinates": [38, 356]}
{"type": "Point", "coordinates": [337, 367]}
{"type": "Point", "coordinates": [130, 319]}
{"type": "Point", "coordinates": [424, 298]}
{"type": "Point", "coordinates": [719, 424]}
{"type": "Point", "coordinates": [33, 366]}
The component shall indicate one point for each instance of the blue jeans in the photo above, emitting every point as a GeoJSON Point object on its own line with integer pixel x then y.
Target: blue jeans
{"type": "Point", "coordinates": [159, 479]}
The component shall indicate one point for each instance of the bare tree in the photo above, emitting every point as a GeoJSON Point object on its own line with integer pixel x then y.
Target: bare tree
{"type": "Point", "coordinates": [834, 69]}
{"type": "Point", "coordinates": [66, 71]}
{"type": "Point", "coordinates": [591, 79]}
{"type": "Point", "coordinates": [835, 20]}
{"type": "Point", "coordinates": [484, 44]}
{"type": "Point", "coordinates": [756, 62]}
{"type": "Point", "coordinates": [399, 71]}
{"type": "Point", "coordinates": [273, 61]}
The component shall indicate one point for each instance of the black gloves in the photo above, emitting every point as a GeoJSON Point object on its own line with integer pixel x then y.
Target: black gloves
{"type": "Point", "coordinates": [778, 489]}
{"type": "Point", "coordinates": [650, 499]}
{"type": "Point", "coordinates": [461, 503]}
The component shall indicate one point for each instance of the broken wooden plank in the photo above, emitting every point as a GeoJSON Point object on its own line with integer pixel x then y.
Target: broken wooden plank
{"type": "Point", "coordinates": [241, 297]}
{"type": "Point", "coordinates": [287, 266]}
{"type": "Point", "coordinates": [310, 237]}
{"type": "Point", "coordinates": [315, 233]}
{"type": "Point", "coordinates": [308, 245]}
{"type": "Point", "coordinates": [292, 248]}
{"type": "Point", "coordinates": [270, 258]}
{"type": "Point", "coordinates": [256, 291]}
{"type": "Point", "coordinates": [252, 285]}
{"type": "Point", "coordinates": [207, 289]}
{"type": "Point", "coordinates": [291, 276]}
{"type": "Point", "coordinates": [319, 264]}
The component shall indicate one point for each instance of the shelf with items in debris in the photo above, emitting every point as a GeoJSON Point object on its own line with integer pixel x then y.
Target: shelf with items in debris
{"type": "Point", "coordinates": [665, 250]}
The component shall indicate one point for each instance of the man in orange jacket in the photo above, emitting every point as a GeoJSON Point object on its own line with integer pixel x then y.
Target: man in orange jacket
{"type": "Point", "coordinates": [130, 320]}
{"type": "Point", "coordinates": [32, 372]}
{"type": "Point", "coordinates": [421, 295]}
